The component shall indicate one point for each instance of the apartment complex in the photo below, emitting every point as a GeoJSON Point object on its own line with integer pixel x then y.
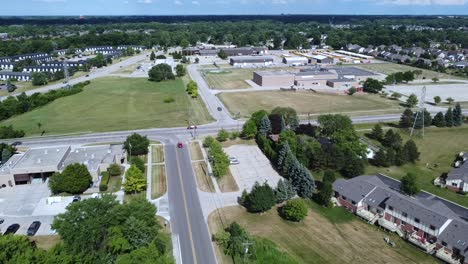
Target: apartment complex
{"type": "Point", "coordinates": [435, 225]}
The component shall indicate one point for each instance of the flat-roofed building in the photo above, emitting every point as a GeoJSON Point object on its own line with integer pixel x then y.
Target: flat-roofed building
{"type": "Point", "coordinates": [295, 60]}
{"type": "Point", "coordinates": [353, 73]}
{"type": "Point", "coordinates": [313, 77]}
{"type": "Point", "coordinates": [274, 78]}
{"type": "Point", "coordinates": [248, 60]}
{"type": "Point", "coordinates": [343, 83]}
{"type": "Point", "coordinates": [37, 164]}
{"type": "Point", "coordinates": [320, 59]}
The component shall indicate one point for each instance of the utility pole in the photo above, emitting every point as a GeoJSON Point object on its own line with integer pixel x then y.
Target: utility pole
{"type": "Point", "coordinates": [66, 73]}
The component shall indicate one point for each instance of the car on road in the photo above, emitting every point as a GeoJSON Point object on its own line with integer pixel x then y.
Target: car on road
{"type": "Point", "coordinates": [233, 161]}
{"type": "Point", "coordinates": [192, 127]}
{"type": "Point", "coordinates": [220, 108]}
{"type": "Point", "coordinates": [33, 228]}
{"type": "Point", "coordinates": [12, 229]}
{"type": "Point", "coordinates": [76, 198]}
{"type": "Point", "coordinates": [232, 158]}
{"type": "Point", "coordinates": [16, 143]}
{"type": "Point", "coordinates": [2, 220]}
{"type": "Point", "coordinates": [180, 145]}
{"type": "Point", "coordinates": [87, 75]}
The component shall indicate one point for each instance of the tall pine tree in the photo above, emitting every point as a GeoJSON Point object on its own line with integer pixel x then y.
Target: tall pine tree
{"type": "Point", "coordinates": [407, 118]}
{"type": "Point", "coordinates": [284, 191]}
{"type": "Point", "coordinates": [439, 120]}
{"type": "Point", "coordinates": [457, 115]}
{"type": "Point", "coordinates": [449, 117]}
{"type": "Point", "coordinates": [265, 126]}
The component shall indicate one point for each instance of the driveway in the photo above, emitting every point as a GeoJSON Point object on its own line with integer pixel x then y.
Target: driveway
{"type": "Point", "coordinates": [22, 200]}
{"type": "Point", "coordinates": [253, 167]}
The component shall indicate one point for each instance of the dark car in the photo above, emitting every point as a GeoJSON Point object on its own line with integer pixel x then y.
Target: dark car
{"type": "Point", "coordinates": [76, 198]}
{"type": "Point", "coordinates": [2, 220]}
{"type": "Point", "coordinates": [220, 108]}
{"type": "Point", "coordinates": [16, 143]}
{"type": "Point", "coordinates": [33, 228]}
{"type": "Point", "coordinates": [180, 145]}
{"type": "Point", "coordinates": [12, 229]}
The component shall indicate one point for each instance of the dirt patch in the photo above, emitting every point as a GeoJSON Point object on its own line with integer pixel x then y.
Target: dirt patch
{"type": "Point", "coordinates": [204, 181]}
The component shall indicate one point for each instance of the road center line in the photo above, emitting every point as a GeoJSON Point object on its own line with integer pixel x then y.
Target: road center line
{"type": "Point", "coordinates": [185, 207]}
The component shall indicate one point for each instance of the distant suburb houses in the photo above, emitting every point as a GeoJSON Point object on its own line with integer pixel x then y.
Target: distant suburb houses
{"type": "Point", "coordinates": [435, 225]}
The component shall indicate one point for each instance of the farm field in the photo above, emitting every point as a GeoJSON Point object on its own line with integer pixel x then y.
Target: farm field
{"type": "Point", "coordinates": [306, 102]}
{"type": "Point", "coordinates": [438, 149]}
{"type": "Point", "coordinates": [110, 104]}
{"type": "Point", "coordinates": [318, 240]}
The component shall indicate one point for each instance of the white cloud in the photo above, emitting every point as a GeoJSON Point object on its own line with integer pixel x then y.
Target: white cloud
{"type": "Point", "coordinates": [178, 2]}
{"type": "Point", "coordinates": [145, 1]}
{"type": "Point", "coordinates": [427, 2]}
{"type": "Point", "coordinates": [195, 2]}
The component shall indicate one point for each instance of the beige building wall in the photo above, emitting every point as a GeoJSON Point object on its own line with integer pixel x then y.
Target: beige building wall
{"type": "Point", "coordinates": [274, 80]}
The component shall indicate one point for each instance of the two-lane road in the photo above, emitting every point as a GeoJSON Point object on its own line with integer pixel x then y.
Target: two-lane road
{"type": "Point", "coordinates": [185, 210]}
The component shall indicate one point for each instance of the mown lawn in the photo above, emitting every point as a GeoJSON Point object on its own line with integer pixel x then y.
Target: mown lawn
{"type": "Point", "coordinates": [438, 150]}
{"type": "Point", "coordinates": [307, 102]}
{"type": "Point", "coordinates": [110, 104]}
{"type": "Point", "coordinates": [389, 68]}
{"type": "Point", "coordinates": [158, 181]}
{"type": "Point", "coordinates": [318, 240]}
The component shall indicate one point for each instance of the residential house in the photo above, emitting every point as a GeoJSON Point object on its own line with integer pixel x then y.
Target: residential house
{"type": "Point", "coordinates": [457, 178]}
{"type": "Point", "coordinates": [7, 65]}
{"type": "Point", "coordinates": [460, 65]}
{"type": "Point", "coordinates": [20, 76]}
{"type": "Point", "coordinates": [47, 68]}
{"type": "Point", "coordinates": [93, 49]}
{"type": "Point", "coordinates": [134, 47]}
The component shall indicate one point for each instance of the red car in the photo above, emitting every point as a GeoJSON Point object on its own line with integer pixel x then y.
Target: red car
{"type": "Point", "coordinates": [180, 145]}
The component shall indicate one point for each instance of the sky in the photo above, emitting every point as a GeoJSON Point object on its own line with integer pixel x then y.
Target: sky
{"type": "Point", "coordinates": [234, 7]}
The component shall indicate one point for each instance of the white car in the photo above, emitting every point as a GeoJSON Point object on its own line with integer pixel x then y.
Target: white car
{"type": "Point", "coordinates": [234, 162]}
{"type": "Point", "coordinates": [232, 158]}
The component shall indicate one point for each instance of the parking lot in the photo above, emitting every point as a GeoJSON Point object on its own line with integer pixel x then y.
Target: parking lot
{"type": "Point", "coordinates": [22, 200]}
{"type": "Point", "coordinates": [459, 92]}
{"type": "Point", "coordinates": [253, 167]}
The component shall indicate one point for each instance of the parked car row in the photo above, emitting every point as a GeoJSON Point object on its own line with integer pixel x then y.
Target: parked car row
{"type": "Point", "coordinates": [13, 228]}
{"type": "Point", "coordinates": [233, 161]}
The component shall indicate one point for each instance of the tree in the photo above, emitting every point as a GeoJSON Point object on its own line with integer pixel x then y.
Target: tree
{"type": "Point", "coordinates": [450, 100]}
{"type": "Point", "coordinates": [396, 96]}
{"type": "Point", "coordinates": [439, 120]}
{"type": "Point", "coordinates": [152, 56]}
{"type": "Point", "coordinates": [407, 119]}
{"type": "Point", "coordinates": [219, 160]}
{"type": "Point", "coordinates": [257, 116]}
{"type": "Point", "coordinates": [19, 249]}
{"type": "Point", "coordinates": [294, 210]}
{"type": "Point", "coordinates": [410, 151]}
{"type": "Point", "coordinates": [192, 89]}
{"type": "Point", "coordinates": [372, 86]}
{"type": "Point", "coordinates": [161, 57]}
{"type": "Point", "coordinates": [145, 255]}
{"type": "Point", "coordinates": [352, 91]}
{"type": "Point", "coordinates": [223, 135]}
{"type": "Point", "coordinates": [249, 130]}
{"type": "Point", "coordinates": [392, 140]}
{"type": "Point", "coordinates": [380, 158]}
{"type": "Point", "coordinates": [114, 169]}
{"type": "Point", "coordinates": [352, 166]}
{"type": "Point", "coordinates": [289, 115]}
{"type": "Point", "coordinates": [180, 70]}
{"type": "Point", "coordinates": [449, 118]}
{"type": "Point", "coordinates": [277, 123]}
{"type": "Point", "coordinates": [260, 199]}
{"type": "Point", "coordinates": [161, 72]}
{"type": "Point", "coordinates": [208, 141]}
{"type": "Point", "coordinates": [435, 79]}
{"type": "Point", "coordinates": [284, 191]}
{"type": "Point", "coordinates": [74, 179]}
{"type": "Point", "coordinates": [325, 194]}
{"type": "Point", "coordinates": [136, 144]}
{"type": "Point", "coordinates": [437, 100]}
{"type": "Point", "coordinates": [333, 123]}
{"type": "Point", "coordinates": [6, 154]}
{"type": "Point", "coordinates": [412, 100]}
{"type": "Point", "coordinates": [377, 132]}
{"type": "Point", "coordinates": [457, 115]}
{"type": "Point", "coordinates": [329, 176]}
{"type": "Point", "coordinates": [184, 43]}
{"type": "Point", "coordinates": [135, 181]}
{"type": "Point", "coordinates": [409, 184]}
{"type": "Point", "coordinates": [10, 86]}
{"type": "Point", "coordinates": [222, 55]}
{"type": "Point", "coordinates": [197, 60]}
{"type": "Point", "coordinates": [265, 126]}
{"type": "Point", "coordinates": [138, 162]}
{"type": "Point", "coordinates": [39, 78]}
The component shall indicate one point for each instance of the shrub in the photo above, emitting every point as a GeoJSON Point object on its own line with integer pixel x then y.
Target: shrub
{"type": "Point", "coordinates": [138, 162]}
{"type": "Point", "coordinates": [260, 199]}
{"type": "Point", "coordinates": [136, 144]}
{"type": "Point", "coordinates": [234, 135]}
{"type": "Point", "coordinates": [294, 210]}
{"type": "Point", "coordinates": [102, 187]}
{"type": "Point", "coordinates": [114, 170]}
{"type": "Point", "coordinates": [208, 141]}
{"type": "Point", "coordinates": [169, 99]}
{"type": "Point", "coordinates": [223, 135]}
{"type": "Point", "coordinates": [105, 177]}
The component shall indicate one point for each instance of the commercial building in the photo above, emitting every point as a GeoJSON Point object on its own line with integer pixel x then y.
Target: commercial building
{"type": "Point", "coordinates": [313, 77]}
{"type": "Point", "coordinates": [245, 51]}
{"type": "Point", "coordinates": [37, 164]}
{"type": "Point", "coordinates": [357, 74]}
{"type": "Point", "coordinates": [250, 60]}
{"type": "Point", "coordinates": [320, 59]}
{"type": "Point", "coordinates": [435, 225]}
{"type": "Point", "coordinates": [343, 83]}
{"type": "Point", "coordinates": [295, 60]}
{"type": "Point", "coordinates": [274, 78]}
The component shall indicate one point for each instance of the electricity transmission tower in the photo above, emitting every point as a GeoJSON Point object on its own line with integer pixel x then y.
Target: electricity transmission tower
{"type": "Point", "coordinates": [420, 112]}
{"type": "Point", "coordinates": [66, 73]}
{"type": "Point", "coordinates": [246, 249]}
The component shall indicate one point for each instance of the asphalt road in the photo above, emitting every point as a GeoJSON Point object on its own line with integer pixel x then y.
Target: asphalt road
{"type": "Point", "coordinates": [187, 220]}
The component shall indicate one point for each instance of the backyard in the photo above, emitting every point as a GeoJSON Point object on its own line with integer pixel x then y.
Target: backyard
{"type": "Point", "coordinates": [317, 239]}
{"type": "Point", "coordinates": [438, 150]}
{"type": "Point", "coordinates": [308, 102]}
{"type": "Point", "coordinates": [110, 104]}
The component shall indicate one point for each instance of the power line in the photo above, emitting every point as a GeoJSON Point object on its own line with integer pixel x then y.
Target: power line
{"type": "Point", "coordinates": [420, 112]}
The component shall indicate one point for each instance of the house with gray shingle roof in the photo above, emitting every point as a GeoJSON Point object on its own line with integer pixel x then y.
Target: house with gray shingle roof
{"type": "Point", "coordinates": [457, 178]}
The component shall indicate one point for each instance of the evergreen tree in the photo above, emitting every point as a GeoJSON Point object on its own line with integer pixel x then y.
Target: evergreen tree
{"type": "Point", "coordinates": [391, 155]}
{"type": "Point", "coordinates": [304, 183]}
{"type": "Point", "coordinates": [152, 56]}
{"type": "Point", "coordinates": [410, 151]}
{"type": "Point", "coordinates": [284, 191]}
{"type": "Point", "coordinates": [380, 158]}
{"type": "Point", "coordinates": [392, 140]}
{"type": "Point", "coordinates": [6, 154]}
{"type": "Point", "coordinates": [400, 158]}
{"type": "Point", "coordinates": [418, 117]}
{"type": "Point", "coordinates": [439, 120]}
{"type": "Point", "coordinates": [282, 154]}
{"type": "Point", "coordinates": [325, 194]}
{"type": "Point", "coordinates": [407, 119]}
{"type": "Point", "coordinates": [457, 115]}
{"type": "Point", "coordinates": [260, 199]}
{"type": "Point", "coordinates": [449, 118]}
{"type": "Point", "coordinates": [377, 132]}
{"type": "Point", "coordinates": [329, 176]}
{"type": "Point", "coordinates": [353, 165]}
{"type": "Point", "coordinates": [265, 126]}
{"type": "Point", "coordinates": [412, 100]}
{"type": "Point", "coordinates": [249, 130]}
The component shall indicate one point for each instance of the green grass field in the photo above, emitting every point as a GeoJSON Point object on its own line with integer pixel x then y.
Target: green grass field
{"type": "Point", "coordinates": [307, 102]}
{"type": "Point", "coordinates": [157, 153]}
{"type": "Point", "coordinates": [389, 68]}
{"type": "Point", "coordinates": [438, 149]}
{"type": "Point", "coordinates": [111, 104]}
{"type": "Point", "coordinates": [318, 240]}
{"type": "Point", "coordinates": [233, 78]}
{"type": "Point", "coordinates": [158, 181]}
